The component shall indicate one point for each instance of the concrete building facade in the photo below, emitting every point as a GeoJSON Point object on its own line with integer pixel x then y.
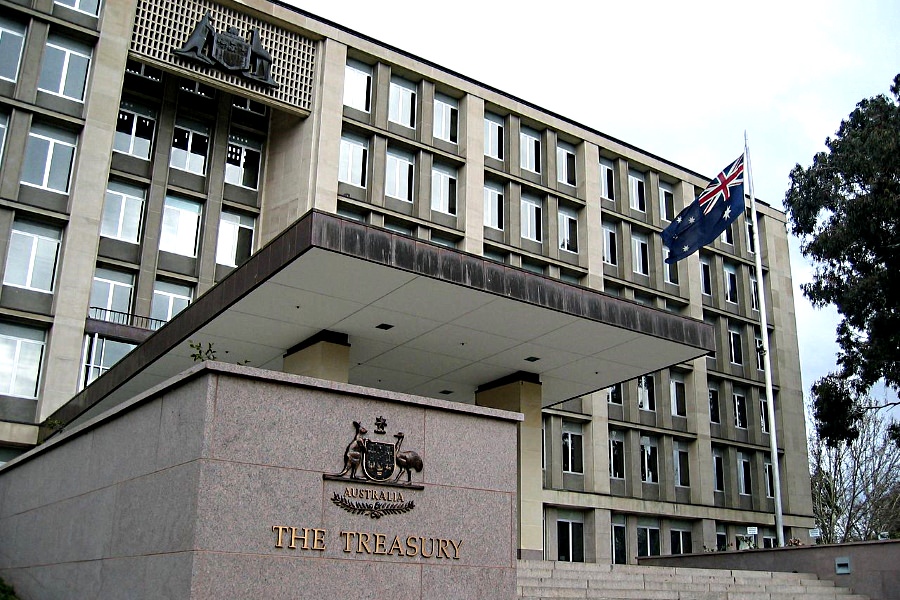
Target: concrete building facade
{"type": "Point", "coordinates": [144, 159]}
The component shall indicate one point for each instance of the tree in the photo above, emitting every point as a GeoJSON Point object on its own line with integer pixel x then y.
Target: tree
{"type": "Point", "coordinates": [845, 209]}
{"type": "Point", "coordinates": [856, 486]}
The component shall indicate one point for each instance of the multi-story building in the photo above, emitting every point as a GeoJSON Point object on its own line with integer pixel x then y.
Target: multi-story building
{"type": "Point", "coordinates": [135, 177]}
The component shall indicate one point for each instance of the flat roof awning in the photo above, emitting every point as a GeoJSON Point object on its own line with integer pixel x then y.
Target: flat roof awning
{"type": "Point", "coordinates": [421, 319]}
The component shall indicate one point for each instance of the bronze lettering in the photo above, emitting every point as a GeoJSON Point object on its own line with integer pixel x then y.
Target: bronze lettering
{"type": "Point", "coordinates": [456, 546]}
{"type": "Point", "coordinates": [398, 545]}
{"type": "Point", "coordinates": [422, 547]}
{"type": "Point", "coordinates": [280, 529]}
{"type": "Point", "coordinates": [412, 546]}
{"type": "Point", "coordinates": [318, 539]}
{"type": "Point", "coordinates": [348, 539]}
{"type": "Point", "coordinates": [295, 537]}
{"type": "Point", "coordinates": [363, 543]}
{"type": "Point", "coordinates": [442, 548]}
{"type": "Point", "coordinates": [379, 543]}
{"type": "Point", "coordinates": [399, 496]}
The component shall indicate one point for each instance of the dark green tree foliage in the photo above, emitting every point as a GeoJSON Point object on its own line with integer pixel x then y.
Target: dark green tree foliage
{"type": "Point", "coordinates": [845, 209]}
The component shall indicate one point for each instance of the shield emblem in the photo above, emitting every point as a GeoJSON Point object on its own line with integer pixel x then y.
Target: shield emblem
{"type": "Point", "coordinates": [231, 51]}
{"type": "Point", "coordinates": [379, 462]}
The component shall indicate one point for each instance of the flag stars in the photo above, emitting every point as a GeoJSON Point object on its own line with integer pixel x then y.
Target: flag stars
{"type": "Point", "coordinates": [691, 220]}
{"type": "Point", "coordinates": [727, 213]}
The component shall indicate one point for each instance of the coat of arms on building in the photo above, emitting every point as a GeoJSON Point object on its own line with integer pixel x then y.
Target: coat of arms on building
{"type": "Point", "coordinates": [370, 460]}
{"type": "Point", "coordinates": [229, 51]}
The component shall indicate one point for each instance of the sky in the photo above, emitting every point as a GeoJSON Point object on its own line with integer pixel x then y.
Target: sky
{"type": "Point", "coordinates": [682, 80]}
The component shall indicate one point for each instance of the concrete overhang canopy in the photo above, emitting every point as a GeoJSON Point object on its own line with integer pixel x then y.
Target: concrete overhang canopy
{"type": "Point", "coordinates": [421, 319]}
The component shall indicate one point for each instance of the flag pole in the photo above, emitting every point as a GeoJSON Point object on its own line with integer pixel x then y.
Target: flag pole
{"type": "Point", "coordinates": [764, 334]}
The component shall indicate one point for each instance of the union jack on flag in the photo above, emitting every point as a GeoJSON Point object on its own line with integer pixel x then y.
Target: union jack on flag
{"type": "Point", "coordinates": [720, 204]}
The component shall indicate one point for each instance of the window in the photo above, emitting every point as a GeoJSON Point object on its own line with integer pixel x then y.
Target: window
{"type": "Point", "coordinates": [734, 343]}
{"type": "Point", "coordinates": [640, 254]}
{"type": "Point", "coordinates": [705, 276]}
{"type": "Point", "coordinates": [530, 150]}
{"type": "Point", "coordinates": [12, 39]}
{"type": "Point", "coordinates": [399, 175]}
{"type": "Point", "coordinates": [572, 457]}
{"type": "Point", "coordinates": [666, 202]}
{"type": "Point", "coordinates": [570, 541]}
{"type": "Point", "coordinates": [33, 252]}
{"type": "Point", "coordinates": [65, 67]}
{"type": "Point", "coordinates": [122, 212]}
{"type": "Point", "coordinates": [354, 160]}
{"type": "Point", "coordinates": [111, 295]}
{"type": "Point", "coordinates": [607, 179]}
{"type": "Point", "coordinates": [616, 454]}
{"type": "Point", "coordinates": [197, 88]}
{"type": "Point", "coordinates": [235, 238]}
{"type": "Point", "coordinates": [568, 230]}
{"type": "Point", "coordinates": [740, 410]}
{"type": "Point", "coordinates": [637, 198]}
{"type": "Point", "coordinates": [565, 163]}
{"type": "Point", "coordinates": [242, 161]}
{"type": "Point", "coordinates": [714, 411]}
{"type": "Point", "coordinates": [670, 269]}
{"type": "Point", "coordinates": [751, 243]}
{"type": "Point", "coordinates": [649, 460]}
{"type": "Point", "coordinates": [619, 537]}
{"type": "Point", "coordinates": [99, 355]}
{"type": "Point", "coordinates": [754, 293]}
{"type": "Point", "coordinates": [677, 394]}
{"type": "Point", "coordinates": [190, 144]}
{"type": "Point", "coordinates": [731, 291]}
{"type": "Point", "coordinates": [610, 251]}
{"type": "Point", "coordinates": [21, 355]}
{"type": "Point", "coordinates": [141, 70]}
{"type": "Point", "coordinates": [248, 105]}
{"type": "Point", "coordinates": [770, 481]}
{"type": "Point", "coordinates": [648, 538]}
{"type": "Point", "coordinates": [4, 120]}
{"type": "Point", "coordinates": [169, 299]}
{"type": "Point", "coordinates": [493, 136]}
{"type": "Point", "coordinates": [727, 236]}
{"type": "Point", "coordinates": [443, 189]}
{"type": "Point", "coordinates": [646, 393]}
{"type": "Point", "coordinates": [681, 541]}
{"type": "Point", "coordinates": [614, 394]}
{"type": "Point", "coordinates": [358, 85]}
{"type": "Point", "coordinates": [718, 470]}
{"type": "Point", "coordinates": [531, 217]}
{"type": "Point", "coordinates": [446, 118]}
{"type": "Point", "coordinates": [744, 477]}
{"type": "Point", "coordinates": [86, 6]}
{"type": "Point", "coordinates": [721, 539]}
{"type": "Point", "coordinates": [48, 158]}
{"type": "Point", "coordinates": [682, 464]}
{"type": "Point", "coordinates": [763, 415]}
{"type": "Point", "coordinates": [134, 130]}
{"type": "Point", "coordinates": [493, 205]}
{"type": "Point", "coordinates": [180, 226]}
{"type": "Point", "coordinates": [760, 352]}
{"type": "Point", "coordinates": [402, 105]}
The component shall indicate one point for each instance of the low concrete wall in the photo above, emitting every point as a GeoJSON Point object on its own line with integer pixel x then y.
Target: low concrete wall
{"type": "Point", "coordinates": [874, 566]}
{"type": "Point", "coordinates": [212, 487]}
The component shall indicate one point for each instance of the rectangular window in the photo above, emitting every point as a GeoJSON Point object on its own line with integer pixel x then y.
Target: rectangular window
{"type": "Point", "coordinates": [572, 455]}
{"type": "Point", "coordinates": [616, 455]}
{"type": "Point", "coordinates": [446, 118]}
{"type": "Point", "coordinates": [740, 410]}
{"type": "Point", "coordinates": [33, 253]}
{"type": "Point", "coordinates": [49, 154]}
{"type": "Point", "coordinates": [670, 269]}
{"type": "Point", "coordinates": [705, 276]}
{"type": "Point", "coordinates": [715, 415]}
{"type": "Point", "coordinates": [751, 243]}
{"type": "Point", "coordinates": [242, 161]}
{"type": "Point", "coordinates": [619, 537]}
{"type": "Point", "coordinates": [677, 394]}
{"type": "Point", "coordinates": [141, 70]}
{"type": "Point", "coordinates": [354, 160]}
{"type": "Point", "coordinates": [614, 394]}
{"type": "Point", "coordinates": [648, 540]}
{"type": "Point", "coordinates": [532, 217]}
{"type": "Point", "coordinates": [570, 541]}
{"type": "Point", "coordinates": [248, 105]}
{"type": "Point", "coordinates": [610, 245]}
{"type": "Point", "coordinates": [235, 243]}
{"type": "Point", "coordinates": [682, 462]}
{"type": "Point", "coordinates": [568, 230]}
{"type": "Point", "coordinates": [718, 470]}
{"type": "Point", "coordinates": [770, 481]}
{"type": "Point", "coordinates": [636, 195]}
{"type": "Point", "coordinates": [12, 39]}
{"type": "Point", "coordinates": [111, 294]}
{"type": "Point", "coordinates": [640, 254]}
{"type": "Point", "coordinates": [190, 144]}
{"type": "Point", "coordinates": [99, 355]}
{"type": "Point", "coordinates": [358, 85]}
{"type": "Point", "coordinates": [727, 235]}
{"type": "Point", "coordinates": [493, 205]}
{"type": "Point", "coordinates": [681, 541]}
{"type": "Point", "coordinates": [197, 88]}
{"type": "Point", "coordinates": [493, 136]}
{"type": "Point", "coordinates": [443, 189]}
{"type": "Point", "coordinates": [134, 130]}
{"type": "Point", "coordinates": [169, 299]}
{"type": "Point", "coordinates": [180, 226]}
{"type": "Point", "coordinates": [649, 460]}
{"type": "Point", "coordinates": [565, 163]}
{"type": "Point", "coordinates": [90, 7]}
{"type": "Point", "coordinates": [122, 212]}
{"type": "Point", "coordinates": [754, 293]}
{"type": "Point", "coordinates": [399, 177]}
{"type": "Point", "coordinates": [646, 393]}
{"type": "Point", "coordinates": [402, 102]}
{"type": "Point", "coordinates": [4, 122]}
{"type": "Point", "coordinates": [21, 356]}
{"type": "Point", "coordinates": [530, 150]}
{"type": "Point", "coordinates": [760, 353]}
{"type": "Point", "coordinates": [763, 415]}
{"type": "Point", "coordinates": [745, 487]}
{"type": "Point", "coordinates": [735, 346]}
{"type": "Point", "coordinates": [731, 288]}
{"type": "Point", "coordinates": [666, 202]}
{"type": "Point", "coordinates": [65, 67]}
{"type": "Point", "coordinates": [607, 179]}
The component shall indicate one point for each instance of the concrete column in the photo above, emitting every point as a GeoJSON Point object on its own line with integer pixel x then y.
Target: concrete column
{"type": "Point", "coordinates": [597, 468]}
{"type": "Point", "coordinates": [472, 113]}
{"type": "Point", "coordinates": [602, 536]}
{"type": "Point", "coordinates": [325, 355]}
{"type": "Point", "coordinates": [521, 392]}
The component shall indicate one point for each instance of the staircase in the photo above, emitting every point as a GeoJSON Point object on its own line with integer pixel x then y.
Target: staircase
{"type": "Point", "coordinates": [562, 581]}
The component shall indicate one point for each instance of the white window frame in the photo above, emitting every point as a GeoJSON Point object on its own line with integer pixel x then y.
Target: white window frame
{"type": "Point", "coordinates": [666, 202]}
{"type": "Point", "coordinates": [685, 541]}
{"type": "Point", "coordinates": [494, 205]}
{"type": "Point", "coordinates": [744, 474]}
{"type": "Point", "coordinates": [735, 346]}
{"type": "Point", "coordinates": [770, 481]}
{"type": "Point", "coordinates": [402, 102]}
{"type": "Point", "coordinates": [79, 4]}
{"type": "Point", "coordinates": [678, 389]}
{"type": "Point", "coordinates": [640, 254]}
{"type": "Point", "coordinates": [614, 394]}
{"type": "Point", "coordinates": [56, 141]}
{"type": "Point", "coordinates": [649, 459]}
{"type": "Point", "coordinates": [670, 270]}
{"type": "Point", "coordinates": [9, 27]}
{"type": "Point", "coordinates": [187, 159]}
{"type": "Point", "coordinates": [731, 283]}
{"type": "Point", "coordinates": [353, 165]}
{"type": "Point", "coordinates": [358, 85]}
{"type": "Point", "coordinates": [446, 118]}
{"type": "Point", "coordinates": [739, 402]}
{"type": "Point", "coordinates": [243, 149]}
{"type": "Point", "coordinates": [647, 548]}
{"type": "Point", "coordinates": [718, 470]}
{"type": "Point", "coordinates": [616, 459]}
{"type": "Point", "coordinates": [763, 414]}
{"type": "Point", "coordinates": [399, 176]}
{"type": "Point", "coordinates": [618, 529]}
{"type": "Point", "coordinates": [607, 179]}
{"type": "Point", "coordinates": [637, 190]}
{"type": "Point", "coordinates": [99, 356]}
{"type": "Point", "coordinates": [681, 454]}
{"type": "Point", "coordinates": [530, 150]}
{"type": "Point", "coordinates": [610, 244]}
{"type": "Point", "coordinates": [112, 284]}
{"type": "Point", "coordinates": [231, 224]}
{"type": "Point", "coordinates": [759, 352]}
{"type": "Point", "coordinates": [494, 127]}
{"type": "Point", "coordinates": [18, 344]}
{"type": "Point", "coordinates": [532, 218]}
{"type": "Point", "coordinates": [566, 169]}
{"type": "Point", "coordinates": [575, 531]}
{"type": "Point", "coordinates": [568, 230]}
{"type": "Point", "coordinates": [136, 112]}
{"type": "Point", "coordinates": [572, 448]}
{"type": "Point", "coordinates": [130, 208]}
{"type": "Point", "coordinates": [754, 293]}
{"type": "Point", "coordinates": [39, 245]}
{"type": "Point", "coordinates": [444, 189]}
{"type": "Point", "coordinates": [181, 213]}
{"type": "Point", "coordinates": [713, 390]}
{"type": "Point", "coordinates": [646, 393]}
{"type": "Point", "coordinates": [751, 248]}
{"type": "Point", "coordinates": [167, 292]}
{"type": "Point", "coordinates": [71, 50]}
{"type": "Point", "coordinates": [4, 124]}
{"type": "Point", "coordinates": [727, 235]}
{"type": "Point", "coordinates": [705, 276]}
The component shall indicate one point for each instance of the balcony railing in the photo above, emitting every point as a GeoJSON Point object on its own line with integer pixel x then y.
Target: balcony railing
{"type": "Point", "coordinates": [121, 318]}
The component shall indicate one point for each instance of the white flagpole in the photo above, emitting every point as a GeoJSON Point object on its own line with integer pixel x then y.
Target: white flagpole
{"type": "Point", "coordinates": [764, 334]}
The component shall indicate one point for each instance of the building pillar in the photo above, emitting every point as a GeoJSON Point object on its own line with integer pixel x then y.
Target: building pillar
{"type": "Point", "coordinates": [521, 392]}
{"type": "Point", "coordinates": [326, 355]}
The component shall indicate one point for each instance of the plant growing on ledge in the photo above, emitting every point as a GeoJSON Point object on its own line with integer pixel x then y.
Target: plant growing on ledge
{"type": "Point", "coordinates": [199, 354]}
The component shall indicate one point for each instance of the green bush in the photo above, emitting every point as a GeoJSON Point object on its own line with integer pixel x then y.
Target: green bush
{"type": "Point", "coordinates": [6, 592]}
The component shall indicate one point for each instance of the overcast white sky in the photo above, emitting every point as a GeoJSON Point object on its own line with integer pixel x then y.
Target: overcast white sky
{"type": "Point", "coordinates": [682, 80]}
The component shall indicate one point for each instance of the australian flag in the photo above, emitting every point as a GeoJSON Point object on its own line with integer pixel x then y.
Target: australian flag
{"type": "Point", "coordinates": [706, 217]}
